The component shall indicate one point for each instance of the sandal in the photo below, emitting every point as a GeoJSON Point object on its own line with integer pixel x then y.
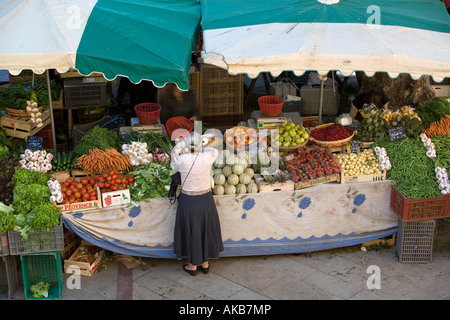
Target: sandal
{"type": "Point", "coordinates": [205, 270]}
{"type": "Point", "coordinates": [191, 272]}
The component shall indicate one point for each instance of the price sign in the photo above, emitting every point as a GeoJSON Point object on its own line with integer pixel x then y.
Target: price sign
{"type": "Point", "coordinates": [354, 147]}
{"type": "Point", "coordinates": [397, 133]}
{"type": "Point", "coordinates": [34, 143]}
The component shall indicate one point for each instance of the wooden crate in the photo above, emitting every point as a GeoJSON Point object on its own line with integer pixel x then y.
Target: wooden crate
{"type": "Point", "coordinates": [84, 268]}
{"type": "Point", "coordinates": [77, 174]}
{"type": "Point", "coordinates": [265, 186]}
{"type": "Point", "coordinates": [82, 206]}
{"type": "Point", "coordinates": [60, 175]}
{"type": "Point", "coordinates": [22, 127]}
{"type": "Point", "coordinates": [71, 242]}
{"type": "Point", "coordinates": [221, 95]}
{"type": "Point", "coordinates": [313, 182]}
{"type": "Point", "coordinates": [362, 178]}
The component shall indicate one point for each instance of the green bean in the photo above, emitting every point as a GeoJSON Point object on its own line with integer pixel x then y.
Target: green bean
{"type": "Point", "coordinates": [412, 171]}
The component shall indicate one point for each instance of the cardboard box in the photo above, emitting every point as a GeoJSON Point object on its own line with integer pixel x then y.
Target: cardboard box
{"type": "Point", "coordinates": [442, 91]}
{"type": "Point", "coordinates": [114, 198]}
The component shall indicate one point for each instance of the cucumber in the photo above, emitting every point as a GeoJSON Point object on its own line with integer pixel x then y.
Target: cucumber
{"type": "Point", "coordinates": [64, 157]}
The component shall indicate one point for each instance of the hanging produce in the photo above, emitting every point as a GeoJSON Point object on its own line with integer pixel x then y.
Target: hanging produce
{"type": "Point", "coordinates": [34, 111]}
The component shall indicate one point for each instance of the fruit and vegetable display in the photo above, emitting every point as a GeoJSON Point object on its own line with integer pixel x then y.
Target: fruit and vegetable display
{"type": "Point", "coordinates": [241, 137]}
{"type": "Point", "coordinates": [413, 171]}
{"type": "Point", "coordinates": [74, 190]}
{"type": "Point", "coordinates": [331, 133]}
{"type": "Point", "coordinates": [233, 174]}
{"type": "Point", "coordinates": [63, 161]}
{"type": "Point", "coordinates": [362, 163]}
{"type": "Point", "coordinates": [376, 126]}
{"type": "Point", "coordinates": [311, 163]}
{"type": "Point", "coordinates": [15, 96]}
{"type": "Point", "coordinates": [289, 135]}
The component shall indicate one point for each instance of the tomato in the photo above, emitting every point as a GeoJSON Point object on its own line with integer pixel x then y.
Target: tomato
{"type": "Point", "coordinates": [103, 190]}
{"type": "Point", "coordinates": [77, 194]}
{"type": "Point", "coordinates": [68, 192]}
{"type": "Point", "coordinates": [84, 181]}
{"type": "Point", "coordinates": [86, 196]}
{"type": "Point", "coordinates": [107, 185]}
{"type": "Point", "coordinates": [98, 178]}
{"type": "Point", "coordinates": [67, 184]}
{"type": "Point", "coordinates": [108, 178]}
{"type": "Point", "coordinates": [92, 198]}
{"type": "Point", "coordinates": [130, 179]}
{"type": "Point", "coordinates": [112, 173]}
{"type": "Point", "coordinates": [101, 185]}
{"type": "Point", "coordinates": [91, 181]}
{"type": "Point", "coordinates": [114, 188]}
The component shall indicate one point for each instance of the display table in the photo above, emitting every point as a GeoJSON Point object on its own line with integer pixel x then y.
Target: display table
{"type": "Point", "coordinates": [322, 217]}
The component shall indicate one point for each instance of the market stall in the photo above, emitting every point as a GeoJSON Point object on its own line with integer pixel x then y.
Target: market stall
{"type": "Point", "coordinates": [252, 224]}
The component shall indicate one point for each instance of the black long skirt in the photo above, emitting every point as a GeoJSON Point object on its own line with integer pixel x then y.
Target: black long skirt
{"type": "Point", "coordinates": [197, 234]}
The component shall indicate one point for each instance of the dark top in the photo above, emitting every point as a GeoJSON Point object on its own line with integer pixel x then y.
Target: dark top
{"type": "Point", "coordinates": [172, 107]}
{"type": "Point", "coordinates": [368, 98]}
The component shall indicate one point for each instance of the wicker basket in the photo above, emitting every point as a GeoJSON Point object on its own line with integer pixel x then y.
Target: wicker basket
{"type": "Point", "coordinates": [19, 112]}
{"type": "Point", "coordinates": [331, 144]}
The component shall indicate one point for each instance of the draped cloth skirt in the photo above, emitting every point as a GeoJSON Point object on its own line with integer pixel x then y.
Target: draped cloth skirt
{"type": "Point", "coordinates": [197, 235]}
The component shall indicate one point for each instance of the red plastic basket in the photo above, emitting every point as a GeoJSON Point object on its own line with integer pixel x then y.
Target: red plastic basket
{"type": "Point", "coordinates": [271, 106]}
{"type": "Point", "coordinates": [409, 209]}
{"type": "Point", "coordinates": [179, 123]}
{"type": "Point", "coordinates": [147, 112]}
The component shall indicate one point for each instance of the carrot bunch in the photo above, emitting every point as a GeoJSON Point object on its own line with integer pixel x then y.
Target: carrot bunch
{"type": "Point", "coordinates": [439, 128]}
{"type": "Point", "coordinates": [98, 161]}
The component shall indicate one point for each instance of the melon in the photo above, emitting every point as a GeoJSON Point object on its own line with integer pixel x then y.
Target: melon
{"type": "Point", "coordinates": [241, 188]}
{"type": "Point", "coordinates": [233, 179]}
{"type": "Point", "coordinates": [238, 169]}
{"type": "Point", "coordinates": [219, 179]}
{"type": "Point", "coordinates": [218, 190]}
{"type": "Point", "coordinates": [252, 187]}
{"type": "Point", "coordinates": [227, 170]}
{"type": "Point", "coordinates": [245, 179]}
{"type": "Point", "coordinates": [230, 189]}
{"type": "Point", "coordinates": [250, 172]}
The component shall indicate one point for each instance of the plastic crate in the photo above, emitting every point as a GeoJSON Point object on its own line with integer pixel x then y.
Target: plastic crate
{"type": "Point", "coordinates": [415, 241]}
{"type": "Point", "coordinates": [409, 209]}
{"type": "Point", "coordinates": [108, 122]}
{"type": "Point", "coordinates": [9, 278]}
{"type": "Point", "coordinates": [77, 93]}
{"type": "Point", "coordinates": [46, 267]}
{"type": "Point", "coordinates": [38, 241]}
{"type": "Point", "coordinates": [292, 106]}
{"type": "Point", "coordinates": [4, 245]}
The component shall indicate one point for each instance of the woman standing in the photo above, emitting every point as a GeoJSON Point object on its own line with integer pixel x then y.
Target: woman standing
{"type": "Point", "coordinates": [197, 235]}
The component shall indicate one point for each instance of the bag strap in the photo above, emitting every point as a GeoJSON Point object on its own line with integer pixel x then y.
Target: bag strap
{"type": "Point", "coordinates": [189, 172]}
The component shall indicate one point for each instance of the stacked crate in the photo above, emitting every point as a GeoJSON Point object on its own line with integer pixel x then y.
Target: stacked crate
{"type": "Point", "coordinates": [220, 96]}
{"type": "Point", "coordinates": [417, 225]}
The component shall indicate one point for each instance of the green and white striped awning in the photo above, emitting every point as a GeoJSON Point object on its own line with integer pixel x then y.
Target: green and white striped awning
{"type": "Point", "coordinates": [140, 39]}
{"type": "Point", "coordinates": [392, 36]}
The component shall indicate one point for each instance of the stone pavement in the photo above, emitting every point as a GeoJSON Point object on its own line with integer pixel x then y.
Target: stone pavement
{"type": "Point", "coordinates": [340, 274]}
